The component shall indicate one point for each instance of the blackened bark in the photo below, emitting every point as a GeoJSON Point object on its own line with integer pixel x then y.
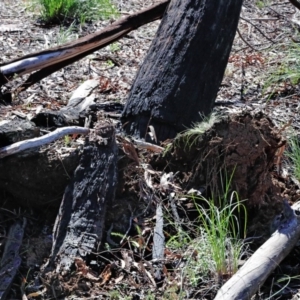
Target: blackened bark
{"type": "Point", "coordinates": [179, 79]}
{"type": "Point", "coordinates": [79, 224]}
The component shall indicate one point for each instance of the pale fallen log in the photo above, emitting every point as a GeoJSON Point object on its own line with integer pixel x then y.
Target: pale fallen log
{"type": "Point", "coordinates": [37, 142]}
{"type": "Point", "coordinates": [53, 59]}
{"type": "Point", "coordinates": [248, 279]}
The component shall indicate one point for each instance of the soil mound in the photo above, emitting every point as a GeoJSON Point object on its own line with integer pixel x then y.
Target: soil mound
{"type": "Point", "coordinates": [243, 146]}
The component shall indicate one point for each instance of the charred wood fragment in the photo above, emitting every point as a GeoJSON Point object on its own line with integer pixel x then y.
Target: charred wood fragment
{"type": "Point", "coordinates": [79, 224]}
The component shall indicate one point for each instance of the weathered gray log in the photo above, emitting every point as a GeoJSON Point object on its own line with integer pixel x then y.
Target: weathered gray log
{"type": "Point", "coordinates": [11, 260]}
{"type": "Point", "coordinates": [80, 106]}
{"type": "Point", "coordinates": [51, 60]}
{"type": "Point", "coordinates": [256, 270]}
{"type": "Point", "coordinates": [42, 140]}
{"type": "Point", "coordinates": [79, 224]}
{"type": "Point", "coordinates": [75, 110]}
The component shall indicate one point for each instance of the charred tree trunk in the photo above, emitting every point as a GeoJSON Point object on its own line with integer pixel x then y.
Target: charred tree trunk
{"type": "Point", "coordinates": [179, 79]}
{"type": "Point", "coordinates": [79, 224]}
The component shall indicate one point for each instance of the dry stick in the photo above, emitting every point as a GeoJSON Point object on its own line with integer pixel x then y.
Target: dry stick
{"type": "Point", "coordinates": [244, 40]}
{"type": "Point", "coordinates": [37, 142]}
{"type": "Point", "coordinates": [148, 146]}
{"type": "Point", "coordinates": [248, 44]}
{"type": "Point", "coordinates": [295, 3]}
{"type": "Point", "coordinates": [248, 279]}
{"type": "Point", "coordinates": [260, 31]}
{"type": "Point", "coordinates": [51, 60]}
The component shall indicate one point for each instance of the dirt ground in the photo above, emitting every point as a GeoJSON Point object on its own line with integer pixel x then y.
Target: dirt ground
{"type": "Point", "coordinates": [247, 139]}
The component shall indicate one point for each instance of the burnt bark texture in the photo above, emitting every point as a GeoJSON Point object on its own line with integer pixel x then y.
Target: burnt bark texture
{"type": "Point", "coordinates": [79, 224]}
{"type": "Point", "coordinates": [178, 82]}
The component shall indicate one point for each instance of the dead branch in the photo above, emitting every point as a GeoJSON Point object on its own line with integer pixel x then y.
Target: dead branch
{"type": "Point", "coordinates": [53, 59]}
{"type": "Point", "coordinates": [256, 270]}
{"type": "Point", "coordinates": [148, 146]}
{"type": "Point", "coordinates": [37, 142]}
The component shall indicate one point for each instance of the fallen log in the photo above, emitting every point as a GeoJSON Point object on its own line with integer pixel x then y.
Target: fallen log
{"type": "Point", "coordinates": [53, 59]}
{"type": "Point", "coordinates": [79, 224]}
{"type": "Point", "coordinates": [248, 279]}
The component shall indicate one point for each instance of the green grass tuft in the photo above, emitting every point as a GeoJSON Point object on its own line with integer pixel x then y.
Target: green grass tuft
{"type": "Point", "coordinates": [214, 254]}
{"type": "Point", "coordinates": [192, 135]}
{"type": "Point", "coordinates": [66, 11]}
{"type": "Point", "coordinates": [222, 229]}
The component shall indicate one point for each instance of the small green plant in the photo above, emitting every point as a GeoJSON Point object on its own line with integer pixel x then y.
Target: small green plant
{"type": "Point", "coordinates": [294, 155]}
{"type": "Point", "coordinates": [115, 295]}
{"type": "Point", "coordinates": [68, 140]}
{"type": "Point", "coordinates": [149, 296]}
{"type": "Point", "coordinates": [58, 11]}
{"type": "Point", "coordinates": [110, 63]}
{"type": "Point", "coordinates": [132, 241]}
{"type": "Point", "coordinates": [171, 293]}
{"type": "Point", "coordinates": [260, 4]}
{"type": "Point", "coordinates": [114, 47]}
{"type": "Point", "coordinates": [66, 34]}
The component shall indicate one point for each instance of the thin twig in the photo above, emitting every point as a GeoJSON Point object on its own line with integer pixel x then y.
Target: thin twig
{"type": "Point", "coordinates": [260, 31]}
{"type": "Point", "coordinates": [242, 38]}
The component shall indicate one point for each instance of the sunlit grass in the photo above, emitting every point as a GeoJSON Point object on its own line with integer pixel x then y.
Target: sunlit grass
{"type": "Point", "coordinates": [220, 228]}
{"type": "Point", "coordinates": [192, 135]}
{"type": "Point", "coordinates": [66, 11]}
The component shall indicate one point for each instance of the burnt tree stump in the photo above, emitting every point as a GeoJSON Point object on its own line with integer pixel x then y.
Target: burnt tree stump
{"type": "Point", "coordinates": [79, 224]}
{"type": "Point", "coordinates": [178, 82]}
